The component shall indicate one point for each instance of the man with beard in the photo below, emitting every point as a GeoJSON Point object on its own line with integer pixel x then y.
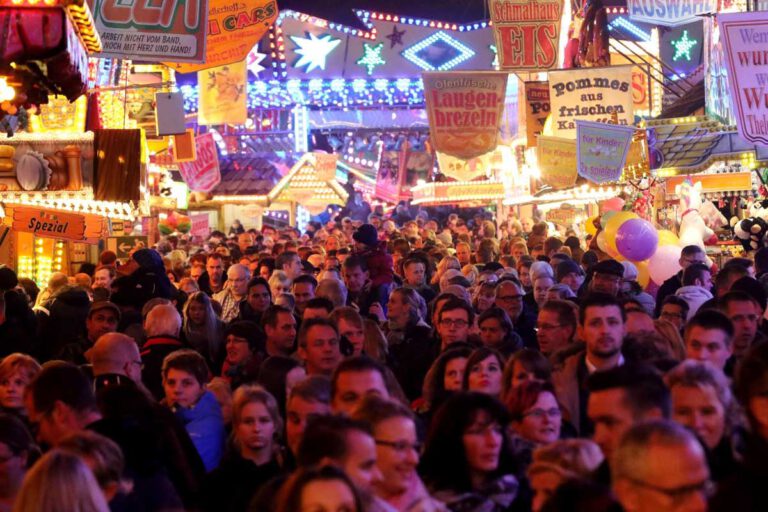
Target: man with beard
{"type": "Point", "coordinates": [601, 327]}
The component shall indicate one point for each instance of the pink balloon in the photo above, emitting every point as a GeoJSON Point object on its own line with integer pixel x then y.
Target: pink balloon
{"type": "Point", "coordinates": [636, 239]}
{"type": "Point", "coordinates": [612, 205]}
{"type": "Point", "coordinates": [664, 263]}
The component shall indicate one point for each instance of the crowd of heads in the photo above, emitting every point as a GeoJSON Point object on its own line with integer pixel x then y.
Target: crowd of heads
{"type": "Point", "coordinates": [415, 362]}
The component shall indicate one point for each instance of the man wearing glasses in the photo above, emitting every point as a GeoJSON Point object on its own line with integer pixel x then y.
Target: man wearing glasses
{"type": "Point", "coordinates": [509, 297]}
{"type": "Point", "coordinates": [454, 321]}
{"type": "Point", "coordinates": [660, 466]}
{"type": "Point", "coordinates": [689, 255]}
{"type": "Point", "coordinates": [607, 276]}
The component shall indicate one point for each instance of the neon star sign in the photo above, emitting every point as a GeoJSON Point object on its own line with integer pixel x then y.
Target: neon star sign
{"type": "Point", "coordinates": [683, 47]}
{"type": "Point", "coordinates": [313, 50]}
{"type": "Point", "coordinates": [372, 57]}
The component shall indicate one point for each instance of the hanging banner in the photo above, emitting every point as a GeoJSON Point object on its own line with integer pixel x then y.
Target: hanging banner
{"type": "Point", "coordinates": [537, 109]}
{"type": "Point", "coordinates": [669, 12]}
{"type": "Point", "coordinates": [325, 165]}
{"type": "Point", "coordinates": [557, 161]}
{"type": "Point", "coordinates": [170, 30]}
{"type": "Point", "coordinates": [745, 37]}
{"type": "Point", "coordinates": [203, 173]}
{"type": "Point", "coordinates": [592, 94]}
{"type": "Point", "coordinates": [58, 224]}
{"type": "Point", "coordinates": [234, 28]}
{"type": "Point", "coordinates": [200, 225]}
{"type": "Point", "coordinates": [526, 33]}
{"type": "Point", "coordinates": [223, 95]}
{"type": "Point", "coordinates": [489, 165]}
{"type": "Point", "coordinates": [465, 110]}
{"type": "Point", "coordinates": [389, 178]}
{"type": "Point", "coordinates": [602, 150]}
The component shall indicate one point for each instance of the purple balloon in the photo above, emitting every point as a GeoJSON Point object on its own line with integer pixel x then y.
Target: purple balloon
{"type": "Point", "coordinates": [636, 239]}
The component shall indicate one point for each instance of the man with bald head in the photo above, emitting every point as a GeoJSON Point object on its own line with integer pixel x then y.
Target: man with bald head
{"type": "Point", "coordinates": [234, 293]}
{"type": "Point", "coordinates": [115, 358]}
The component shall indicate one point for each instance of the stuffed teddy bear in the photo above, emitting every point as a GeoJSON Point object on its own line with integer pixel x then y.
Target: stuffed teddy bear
{"type": "Point", "coordinates": [693, 229]}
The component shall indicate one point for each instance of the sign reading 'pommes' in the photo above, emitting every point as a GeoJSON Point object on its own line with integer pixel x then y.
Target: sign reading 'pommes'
{"type": "Point", "coordinates": [590, 94]}
{"type": "Point", "coordinates": [526, 32]}
{"type": "Point", "coordinates": [465, 110]}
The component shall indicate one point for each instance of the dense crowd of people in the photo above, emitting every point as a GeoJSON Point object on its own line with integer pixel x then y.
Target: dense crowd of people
{"type": "Point", "coordinates": [406, 364]}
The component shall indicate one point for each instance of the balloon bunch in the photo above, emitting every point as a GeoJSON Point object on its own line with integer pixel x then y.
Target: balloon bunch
{"type": "Point", "coordinates": [623, 235]}
{"type": "Point", "coordinates": [174, 222]}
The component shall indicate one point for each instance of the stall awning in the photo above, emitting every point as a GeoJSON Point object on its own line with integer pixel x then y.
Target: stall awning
{"type": "Point", "coordinates": [248, 179]}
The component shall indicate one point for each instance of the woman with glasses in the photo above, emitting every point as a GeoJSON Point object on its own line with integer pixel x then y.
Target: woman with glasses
{"type": "Point", "coordinates": [397, 454]}
{"type": "Point", "coordinates": [466, 462]}
{"type": "Point", "coordinates": [536, 422]}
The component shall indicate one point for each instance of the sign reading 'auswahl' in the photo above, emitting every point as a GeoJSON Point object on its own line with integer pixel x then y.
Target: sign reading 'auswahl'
{"type": "Point", "coordinates": [669, 12]}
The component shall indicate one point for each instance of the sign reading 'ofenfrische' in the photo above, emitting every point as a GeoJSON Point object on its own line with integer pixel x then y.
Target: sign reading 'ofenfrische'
{"type": "Point", "coordinates": [465, 110]}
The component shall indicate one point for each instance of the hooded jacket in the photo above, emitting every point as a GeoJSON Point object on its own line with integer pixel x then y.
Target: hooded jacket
{"type": "Point", "coordinates": [695, 296]}
{"type": "Point", "coordinates": [205, 426]}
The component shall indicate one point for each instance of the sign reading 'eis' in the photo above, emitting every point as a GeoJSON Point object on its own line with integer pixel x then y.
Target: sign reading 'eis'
{"type": "Point", "coordinates": [526, 33]}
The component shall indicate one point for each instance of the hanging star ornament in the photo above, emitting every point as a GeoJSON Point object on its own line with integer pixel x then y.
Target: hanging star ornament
{"type": "Point", "coordinates": [372, 57]}
{"type": "Point", "coordinates": [314, 50]}
{"type": "Point", "coordinates": [396, 37]}
{"type": "Point", "coordinates": [254, 60]}
{"type": "Point", "coordinates": [683, 46]}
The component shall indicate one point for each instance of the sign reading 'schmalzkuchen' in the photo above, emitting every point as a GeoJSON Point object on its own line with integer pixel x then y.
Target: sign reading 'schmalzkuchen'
{"type": "Point", "coordinates": [590, 94]}
{"type": "Point", "coordinates": [465, 110]}
{"type": "Point", "coordinates": [526, 32]}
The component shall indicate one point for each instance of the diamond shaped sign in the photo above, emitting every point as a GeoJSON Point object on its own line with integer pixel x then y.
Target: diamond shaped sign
{"type": "Point", "coordinates": [438, 52]}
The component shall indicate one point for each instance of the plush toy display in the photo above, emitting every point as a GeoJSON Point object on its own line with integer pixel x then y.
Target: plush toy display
{"type": "Point", "coordinates": [750, 232]}
{"type": "Point", "coordinates": [693, 229]}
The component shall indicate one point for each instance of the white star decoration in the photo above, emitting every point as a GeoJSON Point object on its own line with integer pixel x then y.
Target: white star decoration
{"type": "Point", "coordinates": [314, 50]}
{"type": "Point", "coordinates": [254, 60]}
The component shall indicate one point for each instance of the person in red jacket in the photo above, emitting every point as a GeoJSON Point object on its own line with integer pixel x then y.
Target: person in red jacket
{"type": "Point", "coordinates": [380, 265]}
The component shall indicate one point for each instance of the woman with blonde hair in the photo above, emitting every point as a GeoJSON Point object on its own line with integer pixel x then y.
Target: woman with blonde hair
{"type": "Point", "coordinates": [255, 455]}
{"type": "Point", "coordinates": [203, 329]}
{"type": "Point", "coordinates": [557, 462]}
{"type": "Point", "coordinates": [60, 481]}
{"type": "Point", "coordinates": [16, 372]}
{"type": "Point", "coordinates": [279, 283]}
{"type": "Point", "coordinates": [448, 262]}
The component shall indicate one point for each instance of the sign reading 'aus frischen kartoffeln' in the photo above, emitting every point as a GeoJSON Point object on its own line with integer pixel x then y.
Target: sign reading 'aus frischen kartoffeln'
{"type": "Point", "coordinates": [669, 12]}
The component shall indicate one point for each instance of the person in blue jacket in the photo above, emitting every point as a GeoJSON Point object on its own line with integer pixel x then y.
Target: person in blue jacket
{"type": "Point", "coordinates": [185, 374]}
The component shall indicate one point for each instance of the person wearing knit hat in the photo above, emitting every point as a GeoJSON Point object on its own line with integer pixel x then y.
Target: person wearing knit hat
{"type": "Point", "coordinates": [379, 261]}
{"type": "Point", "coordinates": [541, 269]}
{"type": "Point", "coordinates": [631, 288]}
{"type": "Point", "coordinates": [366, 235]}
{"type": "Point", "coordinates": [245, 352]}
{"type": "Point", "coordinates": [571, 274]}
